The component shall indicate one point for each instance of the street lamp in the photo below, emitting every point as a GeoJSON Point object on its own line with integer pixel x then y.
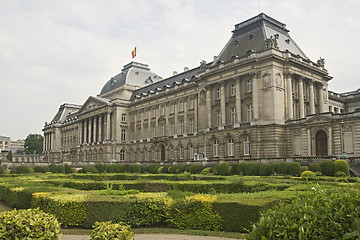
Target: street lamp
{"type": "Point", "coordinates": [113, 142]}
{"type": "Point", "coordinates": [84, 148]}
{"type": "Point", "coordinates": [34, 157]}
{"type": "Point", "coordinates": [205, 158]}
{"type": "Point", "coordinates": [343, 154]}
{"type": "Point", "coordinates": [48, 155]}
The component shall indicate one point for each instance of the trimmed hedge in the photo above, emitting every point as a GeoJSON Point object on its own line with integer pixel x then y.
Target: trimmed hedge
{"type": "Point", "coordinates": [341, 166]}
{"type": "Point", "coordinates": [327, 167]}
{"type": "Point", "coordinates": [28, 224]}
{"type": "Point", "coordinates": [109, 230]}
{"type": "Point", "coordinates": [194, 212]}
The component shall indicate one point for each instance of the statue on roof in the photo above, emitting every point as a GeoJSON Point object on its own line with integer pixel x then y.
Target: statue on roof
{"type": "Point", "coordinates": [271, 43]}
{"type": "Point", "coordinates": [203, 65]}
{"type": "Point", "coordinates": [321, 62]}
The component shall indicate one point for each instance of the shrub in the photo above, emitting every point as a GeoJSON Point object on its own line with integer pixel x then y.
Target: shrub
{"type": "Point", "coordinates": [173, 169]}
{"type": "Point", "coordinates": [223, 168]}
{"type": "Point", "coordinates": [266, 169]}
{"type": "Point", "coordinates": [38, 169]}
{"type": "Point", "coordinates": [108, 230]}
{"type": "Point", "coordinates": [53, 168]}
{"type": "Point", "coordinates": [307, 174]}
{"type": "Point", "coordinates": [182, 168]}
{"type": "Point", "coordinates": [282, 168]}
{"type": "Point", "coordinates": [308, 217]}
{"type": "Point", "coordinates": [127, 168]}
{"type": "Point", "coordinates": [341, 166]}
{"type": "Point", "coordinates": [315, 167]}
{"type": "Point", "coordinates": [294, 169]}
{"type": "Point", "coordinates": [153, 168]}
{"type": "Point", "coordinates": [241, 168]}
{"type": "Point", "coordinates": [61, 169]}
{"type": "Point", "coordinates": [206, 171]}
{"type": "Point", "coordinates": [233, 169]}
{"type": "Point", "coordinates": [88, 169]}
{"type": "Point", "coordinates": [303, 169]}
{"type": "Point", "coordinates": [159, 170]}
{"type": "Point", "coordinates": [250, 169]}
{"type": "Point", "coordinates": [194, 212]}
{"type": "Point", "coordinates": [100, 167]}
{"type": "Point", "coordinates": [1, 169]}
{"type": "Point", "coordinates": [196, 168]}
{"type": "Point", "coordinates": [135, 168]}
{"type": "Point", "coordinates": [22, 169]}
{"type": "Point", "coordinates": [67, 169]}
{"type": "Point", "coordinates": [28, 224]}
{"type": "Point", "coordinates": [327, 167]}
{"type": "Point", "coordinates": [118, 168]}
{"type": "Point", "coordinates": [165, 169]}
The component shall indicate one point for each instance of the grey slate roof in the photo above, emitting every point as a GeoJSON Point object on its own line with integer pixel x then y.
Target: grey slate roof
{"type": "Point", "coordinates": [134, 74]}
{"type": "Point", "coordinates": [170, 82]}
{"type": "Point", "coordinates": [251, 35]}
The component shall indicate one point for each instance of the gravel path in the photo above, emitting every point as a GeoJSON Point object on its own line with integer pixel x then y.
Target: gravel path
{"type": "Point", "coordinates": [153, 237]}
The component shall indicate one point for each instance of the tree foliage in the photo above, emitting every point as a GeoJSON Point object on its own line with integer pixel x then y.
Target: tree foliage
{"type": "Point", "coordinates": [33, 142]}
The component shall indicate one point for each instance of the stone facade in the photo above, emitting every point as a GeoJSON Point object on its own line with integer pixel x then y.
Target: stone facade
{"type": "Point", "coordinates": [261, 98]}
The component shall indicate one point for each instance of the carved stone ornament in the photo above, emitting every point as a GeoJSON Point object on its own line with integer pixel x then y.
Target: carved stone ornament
{"type": "Point", "coordinates": [266, 81]}
{"type": "Point", "coordinates": [271, 43]}
{"type": "Point", "coordinates": [321, 62]}
{"type": "Point", "coordinates": [202, 97]}
{"type": "Point", "coordinates": [278, 80]}
{"type": "Point", "coordinates": [203, 65]}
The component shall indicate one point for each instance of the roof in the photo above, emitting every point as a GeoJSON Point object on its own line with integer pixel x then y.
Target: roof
{"type": "Point", "coordinates": [170, 82]}
{"type": "Point", "coordinates": [256, 35]}
{"type": "Point", "coordinates": [134, 73]}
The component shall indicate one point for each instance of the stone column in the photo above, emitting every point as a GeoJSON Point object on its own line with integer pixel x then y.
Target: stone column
{"type": "Point", "coordinates": [290, 112]}
{"type": "Point", "coordinates": [309, 141]}
{"type": "Point", "coordinates": [79, 139]}
{"type": "Point", "coordinates": [311, 97]}
{"type": "Point", "coordinates": [195, 114]}
{"type": "Point", "coordinates": [85, 131]}
{"type": "Point", "coordinates": [222, 104]}
{"type": "Point", "coordinates": [100, 128]}
{"type": "Point", "coordinates": [185, 118]}
{"type": "Point", "coordinates": [94, 129]}
{"type": "Point", "coordinates": [89, 130]}
{"type": "Point", "coordinates": [107, 126]}
{"type": "Point", "coordinates": [330, 141]}
{"type": "Point", "coordinates": [238, 102]}
{"type": "Point", "coordinates": [301, 98]}
{"type": "Point", "coordinates": [208, 105]}
{"type": "Point", "coordinates": [255, 100]}
{"type": "Point", "coordinates": [321, 98]}
{"type": "Point", "coordinates": [44, 143]}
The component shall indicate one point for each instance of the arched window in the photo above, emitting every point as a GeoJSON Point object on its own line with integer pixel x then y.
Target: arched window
{"type": "Point", "coordinates": [191, 151]}
{"type": "Point", "coordinates": [122, 155]}
{"type": "Point", "coordinates": [215, 148]}
{"type": "Point", "coordinates": [247, 145]}
{"type": "Point", "coordinates": [230, 147]}
{"type": "Point", "coordinates": [145, 154]}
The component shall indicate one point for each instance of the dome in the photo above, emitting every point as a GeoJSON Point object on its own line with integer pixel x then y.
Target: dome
{"type": "Point", "coordinates": [136, 74]}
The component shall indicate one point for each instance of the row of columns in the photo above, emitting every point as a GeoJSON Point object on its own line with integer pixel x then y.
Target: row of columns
{"type": "Point", "coordinates": [312, 89]}
{"type": "Point", "coordinates": [47, 144]}
{"type": "Point", "coordinates": [95, 129]}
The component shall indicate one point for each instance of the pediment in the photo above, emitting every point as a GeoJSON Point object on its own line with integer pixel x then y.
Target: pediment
{"type": "Point", "coordinates": [318, 119]}
{"type": "Point", "coordinates": [94, 103]}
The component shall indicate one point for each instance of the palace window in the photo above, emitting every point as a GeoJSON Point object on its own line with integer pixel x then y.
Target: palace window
{"type": "Point", "coordinates": [249, 85]}
{"type": "Point", "coordinates": [250, 112]}
{"type": "Point", "coordinates": [154, 112]}
{"type": "Point", "coordinates": [233, 115]}
{"type": "Point", "coordinates": [139, 117]}
{"type": "Point", "coordinates": [123, 117]}
{"type": "Point", "coordinates": [172, 153]}
{"type": "Point", "coordinates": [123, 135]}
{"type": "Point", "coordinates": [146, 133]}
{"type": "Point", "coordinates": [191, 129]}
{"type": "Point", "coordinates": [218, 117]}
{"type": "Point", "coordinates": [181, 152]}
{"type": "Point", "coordinates": [172, 128]}
{"type": "Point", "coordinates": [218, 93]}
{"type": "Point", "coordinates": [162, 129]}
{"type": "Point", "coordinates": [162, 110]}
{"type": "Point", "coordinates": [172, 108]}
{"type": "Point", "coordinates": [145, 154]}
{"type": "Point", "coordinates": [247, 146]}
{"type": "Point", "coordinates": [153, 154]}
{"type": "Point", "coordinates": [139, 133]}
{"type": "Point", "coordinates": [122, 155]}
{"type": "Point", "coordinates": [215, 148]}
{"type": "Point", "coordinates": [181, 106]}
{"type": "Point", "coordinates": [154, 131]}
{"type": "Point", "coordinates": [191, 104]}
{"type": "Point", "coordinates": [230, 147]}
{"type": "Point", "coordinates": [233, 89]}
{"type": "Point", "coordinates": [191, 151]}
{"type": "Point", "coordinates": [181, 127]}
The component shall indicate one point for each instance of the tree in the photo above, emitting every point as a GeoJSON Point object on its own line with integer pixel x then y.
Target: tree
{"type": "Point", "coordinates": [33, 142]}
{"type": "Point", "coordinates": [9, 156]}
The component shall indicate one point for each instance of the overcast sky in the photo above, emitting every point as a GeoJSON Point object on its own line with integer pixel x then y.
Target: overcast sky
{"type": "Point", "coordinates": [63, 51]}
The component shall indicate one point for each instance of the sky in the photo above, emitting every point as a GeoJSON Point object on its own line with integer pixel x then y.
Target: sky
{"type": "Point", "coordinates": [63, 51]}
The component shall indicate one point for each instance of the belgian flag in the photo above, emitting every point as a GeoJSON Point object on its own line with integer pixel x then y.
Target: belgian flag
{"type": "Point", "coordinates": [133, 53]}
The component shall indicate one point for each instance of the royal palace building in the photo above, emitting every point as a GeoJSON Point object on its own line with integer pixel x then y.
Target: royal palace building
{"type": "Point", "coordinates": [261, 98]}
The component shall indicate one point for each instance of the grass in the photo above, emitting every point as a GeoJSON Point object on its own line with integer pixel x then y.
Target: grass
{"type": "Point", "coordinates": [162, 230]}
